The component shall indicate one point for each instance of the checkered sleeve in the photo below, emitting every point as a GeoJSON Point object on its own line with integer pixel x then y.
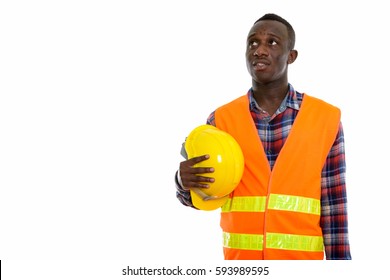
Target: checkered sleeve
{"type": "Point", "coordinates": [182, 195]}
{"type": "Point", "coordinates": [334, 217]}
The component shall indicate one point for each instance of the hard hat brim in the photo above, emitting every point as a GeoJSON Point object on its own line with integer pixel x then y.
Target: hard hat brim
{"type": "Point", "coordinates": [207, 205]}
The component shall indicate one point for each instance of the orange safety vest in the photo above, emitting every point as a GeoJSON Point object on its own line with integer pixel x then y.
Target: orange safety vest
{"type": "Point", "coordinates": [276, 214]}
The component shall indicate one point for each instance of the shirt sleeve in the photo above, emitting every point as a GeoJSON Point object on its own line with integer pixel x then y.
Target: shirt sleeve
{"type": "Point", "coordinates": [182, 195]}
{"type": "Point", "coordinates": [334, 217]}
{"type": "Point", "coordinates": [211, 119]}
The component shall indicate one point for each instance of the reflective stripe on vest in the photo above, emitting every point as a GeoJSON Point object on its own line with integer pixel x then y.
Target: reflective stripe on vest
{"type": "Point", "coordinates": [243, 241]}
{"type": "Point", "coordinates": [274, 241]}
{"type": "Point", "coordinates": [276, 202]}
{"type": "Point", "coordinates": [245, 204]}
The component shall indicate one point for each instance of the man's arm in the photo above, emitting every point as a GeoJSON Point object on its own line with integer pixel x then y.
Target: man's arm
{"type": "Point", "coordinates": [334, 217]}
{"type": "Point", "coordinates": [182, 195]}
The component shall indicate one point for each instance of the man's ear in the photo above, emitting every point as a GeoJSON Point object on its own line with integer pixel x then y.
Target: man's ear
{"type": "Point", "coordinates": [292, 56]}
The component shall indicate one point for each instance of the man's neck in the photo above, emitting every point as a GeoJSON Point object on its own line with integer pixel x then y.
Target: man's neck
{"type": "Point", "coordinates": [269, 97]}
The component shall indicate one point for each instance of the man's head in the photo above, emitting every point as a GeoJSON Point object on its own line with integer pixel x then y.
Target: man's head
{"type": "Point", "coordinates": [290, 29]}
{"type": "Point", "coordinates": [269, 49]}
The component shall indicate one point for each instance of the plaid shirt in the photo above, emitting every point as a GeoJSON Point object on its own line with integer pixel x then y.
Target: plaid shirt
{"type": "Point", "coordinates": [273, 131]}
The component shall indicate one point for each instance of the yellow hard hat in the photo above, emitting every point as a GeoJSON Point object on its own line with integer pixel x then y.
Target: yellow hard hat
{"type": "Point", "coordinates": [226, 158]}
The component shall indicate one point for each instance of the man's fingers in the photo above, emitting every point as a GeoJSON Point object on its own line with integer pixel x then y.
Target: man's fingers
{"type": "Point", "coordinates": [196, 160]}
{"type": "Point", "coordinates": [200, 170]}
{"type": "Point", "coordinates": [187, 166]}
{"type": "Point", "coordinates": [191, 177]}
{"type": "Point", "coordinates": [196, 182]}
{"type": "Point", "coordinates": [203, 179]}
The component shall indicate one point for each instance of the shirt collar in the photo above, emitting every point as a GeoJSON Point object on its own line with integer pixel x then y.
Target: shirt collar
{"type": "Point", "coordinates": [291, 100]}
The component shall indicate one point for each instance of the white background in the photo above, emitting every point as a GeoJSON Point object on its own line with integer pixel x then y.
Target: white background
{"type": "Point", "coordinates": [96, 98]}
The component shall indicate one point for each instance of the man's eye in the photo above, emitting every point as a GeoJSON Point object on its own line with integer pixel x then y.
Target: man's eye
{"type": "Point", "coordinates": [253, 44]}
{"type": "Point", "coordinates": [273, 42]}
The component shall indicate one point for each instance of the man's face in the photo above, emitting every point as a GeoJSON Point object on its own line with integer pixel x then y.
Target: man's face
{"type": "Point", "coordinates": [267, 51]}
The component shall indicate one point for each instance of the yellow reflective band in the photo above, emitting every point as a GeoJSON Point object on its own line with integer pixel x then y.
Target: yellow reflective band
{"type": "Point", "coordinates": [276, 202]}
{"type": "Point", "coordinates": [274, 241]}
{"type": "Point", "coordinates": [294, 242]}
{"type": "Point", "coordinates": [243, 241]}
{"type": "Point", "coordinates": [245, 204]}
{"type": "Point", "coordinates": [294, 203]}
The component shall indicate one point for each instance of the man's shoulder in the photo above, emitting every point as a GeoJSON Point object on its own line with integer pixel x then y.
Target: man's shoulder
{"type": "Point", "coordinates": [319, 101]}
{"type": "Point", "coordinates": [243, 99]}
{"type": "Point", "coordinates": [229, 108]}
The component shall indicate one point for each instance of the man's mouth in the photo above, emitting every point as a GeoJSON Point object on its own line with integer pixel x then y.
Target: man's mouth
{"type": "Point", "coordinates": [260, 65]}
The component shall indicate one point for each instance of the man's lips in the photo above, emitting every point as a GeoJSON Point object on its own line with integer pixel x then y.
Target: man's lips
{"type": "Point", "coordinates": [259, 65]}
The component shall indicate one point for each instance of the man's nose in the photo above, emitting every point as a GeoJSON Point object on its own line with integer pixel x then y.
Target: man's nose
{"type": "Point", "coordinates": [261, 50]}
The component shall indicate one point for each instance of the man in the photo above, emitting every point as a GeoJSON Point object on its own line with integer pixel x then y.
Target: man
{"type": "Point", "coordinates": [293, 187]}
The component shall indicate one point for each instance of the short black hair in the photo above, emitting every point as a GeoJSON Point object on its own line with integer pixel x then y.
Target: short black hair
{"type": "Point", "coordinates": [290, 29]}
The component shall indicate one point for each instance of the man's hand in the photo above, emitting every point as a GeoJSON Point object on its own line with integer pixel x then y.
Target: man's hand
{"type": "Point", "coordinates": [191, 176]}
